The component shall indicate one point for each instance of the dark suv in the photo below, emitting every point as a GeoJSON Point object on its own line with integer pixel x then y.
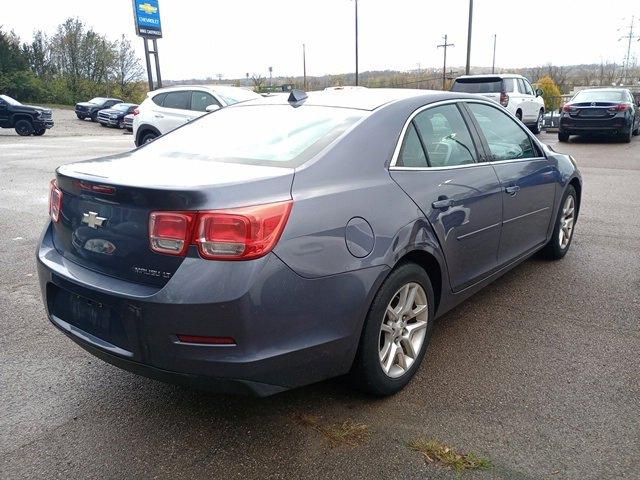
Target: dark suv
{"type": "Point", "coordinates": [26, 119]}
{"type": "Point", "coordinates": [91, 108]}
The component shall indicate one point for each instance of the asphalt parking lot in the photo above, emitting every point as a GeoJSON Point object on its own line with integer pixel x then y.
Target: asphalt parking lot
{"type": "Point", "coordinates": [539, 373]}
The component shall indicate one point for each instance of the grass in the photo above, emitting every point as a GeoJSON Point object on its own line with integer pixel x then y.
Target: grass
{"type": "Point", "coordinates": [445, 455]}
{"type": "Point", "coordinates": [348, 432]}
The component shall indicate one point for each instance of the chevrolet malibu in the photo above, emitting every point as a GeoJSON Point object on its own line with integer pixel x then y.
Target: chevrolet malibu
{"type": "Point", "coordinates": [287, 240]}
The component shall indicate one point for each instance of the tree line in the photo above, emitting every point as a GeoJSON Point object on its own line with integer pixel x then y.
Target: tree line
{"type": "Point", "coordinates": [74, 64]}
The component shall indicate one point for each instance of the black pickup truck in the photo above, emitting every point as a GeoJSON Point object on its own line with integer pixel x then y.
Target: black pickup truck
{"type": "Point", "coordinates": [91, 108]}
{"type": "Point", "coordinates": [27, 120]}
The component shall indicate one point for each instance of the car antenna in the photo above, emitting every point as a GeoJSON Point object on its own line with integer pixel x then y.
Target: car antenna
{"type": "Point", "coordinates": [297, 96]}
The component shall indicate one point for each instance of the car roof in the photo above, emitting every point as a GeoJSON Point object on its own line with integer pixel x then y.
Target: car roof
{"type": "Point", "coordinates": [360, 99]}
{"type": "Point", "coordinates": [214, 88]}
{"type": "Point", "coordinates": [608, 89]}
{"type": "Point", "coordinates": [121, 104]}
{"type": "Point", "coordinates": [490, 76]}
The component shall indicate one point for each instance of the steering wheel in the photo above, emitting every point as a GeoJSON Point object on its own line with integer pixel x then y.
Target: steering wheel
{"type": "Point", "coordinates": [444, 149]}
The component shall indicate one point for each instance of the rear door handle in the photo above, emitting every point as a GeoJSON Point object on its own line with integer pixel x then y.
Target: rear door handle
{"type": "Point", "coordinates": [512, 190]}
{"type": "Point", "coordinates": [442, 204]}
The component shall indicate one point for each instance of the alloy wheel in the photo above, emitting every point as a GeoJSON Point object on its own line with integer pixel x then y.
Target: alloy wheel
{"type": "Point", "coordinates": [403, 330]}
{"type": "Point", "coordinates": [567, 220]}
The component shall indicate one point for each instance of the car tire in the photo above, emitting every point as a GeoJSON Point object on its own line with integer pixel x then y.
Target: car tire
{"type": "Point", "coordinates": [626, 136]}
{"type": "Point", "coordinates": [559, 244]}
{"type": "Point", "coordinates": [103, 124]}
{"type": "Point", "coordinates": [563, 136]}
{"type": "Point", "coordinates": [24, 128]}
{"type": "Point", "coordinates": [39, 132]}
{"type": "Point", "coordinates": [94, 117]}
{"type": "Point", "coordinates": [537, 127]}
{"type": "Point", "coordinates": [80, 117]}
{"type": "Point", "coordinates": [147, 137]}
{"type": "Point", "coordinates": [121, 124]}
{"type": "Point", "coordinates": [405, 343]}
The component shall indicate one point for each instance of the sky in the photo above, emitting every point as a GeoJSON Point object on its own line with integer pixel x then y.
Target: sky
{"type": "Point", "coordinates": [204, 38]}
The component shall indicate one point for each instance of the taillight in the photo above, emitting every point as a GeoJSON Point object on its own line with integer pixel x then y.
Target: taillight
{"type": "Point", "coordinates": [241, 233]}
{"type": "Point", "coordinates": [235, 234]}
{"type": "Point", "coordinates": [569, 108]}
{"type": "Point", "coordinates": [170, 232]}
{"type": "Point", "coordinates": [504, 99]}
{"type": "Point", "coordinates": [621, 107]}
{"type": "Point", "coordinates": [136, 112]}
{"type": "Point", "coordinates": [55, 201]}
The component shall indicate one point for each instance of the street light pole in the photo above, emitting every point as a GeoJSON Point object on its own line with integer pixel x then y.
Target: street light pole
{"type": "Point", "coordinates": [356, 1]}
{"type": "Point", "coordinates": [468, 67]}
{"type": "Point", "coordinates": [493, 65]}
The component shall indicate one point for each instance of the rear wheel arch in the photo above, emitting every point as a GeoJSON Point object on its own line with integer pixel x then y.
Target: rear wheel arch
{"type": "Point", "coordinates": [431, 266]}
{"type": "Point", "coordinates": [577, 186]}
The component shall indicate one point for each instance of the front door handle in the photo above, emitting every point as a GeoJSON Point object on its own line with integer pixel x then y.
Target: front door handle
{"type": "Point", "coordinates": [443, 203]}
{"type": "Point", "coordinates": [512, 190]}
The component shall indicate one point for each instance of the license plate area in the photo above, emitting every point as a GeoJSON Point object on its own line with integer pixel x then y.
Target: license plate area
{"type": "Point", "coordinates": [593, 112]}
{"type": "Point", "coordinates": [89, 315]}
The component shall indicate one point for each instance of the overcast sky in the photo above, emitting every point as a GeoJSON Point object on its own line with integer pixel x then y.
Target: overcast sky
{"type": "Point", "coordinates": [205, 37]}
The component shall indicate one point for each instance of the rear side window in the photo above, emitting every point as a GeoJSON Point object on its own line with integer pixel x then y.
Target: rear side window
{"type": "Point", "coordinates": [411, 152]}
{"type": "Point", "coordinates": [508, 85]}
{"type": "Point", "coordinates": [201, 100]}
{"type": "Point", "coordinates": [445, 136]}
{"type": "Point", "coordinates": [158, 99]}
{"type": "Point", "coordinates": [181, 100]}
{"type": "Point", "coordinates": [475, 85]}
{"type": "Point", "coordinates": [507, 141]}
{"type": "Point", "coordinates": [521, 88]}
{"type": "Point", "coordinates": [527, 87]}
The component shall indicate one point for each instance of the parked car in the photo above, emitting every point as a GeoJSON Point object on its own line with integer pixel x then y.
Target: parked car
{"type": "Point", "coordinates": [274, 244]}
{"type": "Point", "coordinates": [114, 116]}
{"type": "Point", "coordinates": [168, 108]}
{"type": "Point", "coordinates": [91, 108]}
{"type": "Point", "coordinates": [513, 92]}
{"type": "Point", "coordinates": [128, 121]}
{"type": "Point", "coordinates": [609, 111]}
{"type": "Point", "coordinates": [25, 119]}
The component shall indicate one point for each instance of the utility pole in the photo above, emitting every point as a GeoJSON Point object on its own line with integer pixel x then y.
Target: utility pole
{"type": "Point", "coordinates": [356, 1]}
{"type": "Point", "coordinates": [444, 68]}
{"type": "Point", "coordinates": [627, 61]}
{"type": "Point", "coordinates": [493, 65]}
{"type": "Point", "coordinates": [270, 76]}
{"type": "Point", "coordinates": [304, 67]}
{"type": "Point", "coordinates": [468, 67]}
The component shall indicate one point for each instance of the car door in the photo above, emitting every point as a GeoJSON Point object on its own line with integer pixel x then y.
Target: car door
{"type": "Point", "coordinates": [4, 113]}
{"type": "Point", "coordinates": [439, 167]}
{"type": "Point", "coordinates": [175, 111]}
{"type": "Point", "coordinates": [522, 100]}
{"type": "Point", "coordinates": [532, 105]}
{"type": "Point", "coordinates": [527, 179]}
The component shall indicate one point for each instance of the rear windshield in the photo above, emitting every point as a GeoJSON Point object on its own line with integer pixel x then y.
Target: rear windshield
{"type": "Point", "coordinates": [275, 135]}
{"type": "Point", "coordinates": [600, 96]}
{"type": "Point", "coordinates": [477, 85]}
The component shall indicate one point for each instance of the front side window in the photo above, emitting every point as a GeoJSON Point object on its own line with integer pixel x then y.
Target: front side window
{"type": "Point", "coordinates": [180, 100]}
{"type": "Point", "coordinates": [507, 141]}
{"type": "Point", "coordinates": [201, 100]}
{"type": "Point", "coordinates": [273, 135]}
{"type": "Point", "coordinates": [445, 136]}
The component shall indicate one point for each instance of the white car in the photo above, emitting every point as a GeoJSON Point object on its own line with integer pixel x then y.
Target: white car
{"type": "Point", "coordinates": [513, 92]}
{"type": "Point", "coordinates": [168, 108]}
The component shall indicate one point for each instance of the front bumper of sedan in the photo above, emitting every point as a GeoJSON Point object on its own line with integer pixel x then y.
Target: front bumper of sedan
{"type": "Point", "coordinates": [287, 330]}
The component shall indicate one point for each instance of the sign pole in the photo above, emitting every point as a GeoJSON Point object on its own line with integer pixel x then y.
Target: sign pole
{"type": "Point", "coordinates": [155, 52]}
{"type": "Point", "coordinates": [148, 60]}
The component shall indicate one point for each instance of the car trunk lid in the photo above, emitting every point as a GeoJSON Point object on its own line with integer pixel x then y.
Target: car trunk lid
{"type": "Point", "coordinates": [106, 204]}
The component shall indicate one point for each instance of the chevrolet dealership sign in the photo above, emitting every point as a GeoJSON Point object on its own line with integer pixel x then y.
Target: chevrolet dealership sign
{"type": "Point", "coordinates": [147, 18]}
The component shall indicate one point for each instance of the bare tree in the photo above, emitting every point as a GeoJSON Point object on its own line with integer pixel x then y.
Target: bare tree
{"type": "Point", "coordinates": [127, 66]}
{"type": "Point", "coordinates": [257, 80]}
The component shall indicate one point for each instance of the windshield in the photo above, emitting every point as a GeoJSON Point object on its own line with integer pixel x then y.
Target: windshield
{"type": "Point", "coordinates": [477, 85]}
{"type": "Point", "coordinates": [123, 107]}
{"type": "Point", "coordinates": [236, 95]}
{"type": "Point", "coordinates": [600, 96]}
{"type": "Point", "coordinates": [10, 100]}
{"type": "Point", "coordinates": [276, 135]}
{"type": "Point", "coordinates": [98, 100]}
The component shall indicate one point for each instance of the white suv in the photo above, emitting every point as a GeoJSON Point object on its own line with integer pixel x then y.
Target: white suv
{"type": "Point", "coordinates": [168, 108]}
{"type": "Point", "coordinates": [513, 92]}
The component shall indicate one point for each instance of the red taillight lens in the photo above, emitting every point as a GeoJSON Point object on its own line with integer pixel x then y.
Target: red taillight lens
{"type": "Point", "coordinates": [621, 107]}
{"type": "Point", "coordinates": [504, 99]}
{"type": "Point", "coordinates": [241, 233]}
{"type": "Point", "coordinates": [55, 201]}
{"type": "Point", "coordinates": [569, 108]}
{"type": "Point", "coordinates": [136, 112]}
{"type": "Point", "coordinates": [170, 232]}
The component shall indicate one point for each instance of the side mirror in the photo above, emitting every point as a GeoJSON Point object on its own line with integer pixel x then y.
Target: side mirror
{"type": "Point", "coordinates": [212, 108]}
{"type": "Point", "coordinates": [539, 92]}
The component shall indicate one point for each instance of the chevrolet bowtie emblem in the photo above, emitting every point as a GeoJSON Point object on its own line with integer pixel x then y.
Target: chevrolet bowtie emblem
{"type": "Point", "coordinates": [93, 220]}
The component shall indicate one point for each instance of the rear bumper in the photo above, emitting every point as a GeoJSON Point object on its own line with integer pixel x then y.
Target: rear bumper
{"type": "Point", "coordinates": [609, 125]}
{"type": "Point", "coordinates": [289, 331]}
